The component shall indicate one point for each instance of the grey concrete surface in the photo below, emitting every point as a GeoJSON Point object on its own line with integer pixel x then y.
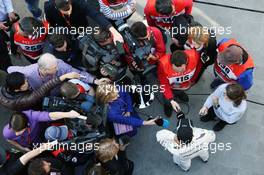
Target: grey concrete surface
{"type": "Point", "coordinates": [245, 137]}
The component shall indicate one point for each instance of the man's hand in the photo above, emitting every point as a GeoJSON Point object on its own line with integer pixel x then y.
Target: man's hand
{"type": "Point", "coordinates": [150, 122]}
{"type": "Point", "coordinates": [116, 35]}
{"type": "Point", "coordinates": [151, 57]}
{"type": "Point", "coordinates": [72, 75]}
{"type": "Point", "coordinates": [12, 16]}
{"type": "Point", "coordinates": [203, 111]}
{"type": "Point", "coordinates": [2, 26]}
{"type": "Point", "coordinates": [175, 106]}
{"type": "Point", "coordinates": [102, 81]}
{"type": "Point", "coordinates": [73, 114]}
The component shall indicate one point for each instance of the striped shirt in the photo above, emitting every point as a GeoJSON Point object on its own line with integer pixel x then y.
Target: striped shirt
{"type": "Point", "coordinates": [119, 11]}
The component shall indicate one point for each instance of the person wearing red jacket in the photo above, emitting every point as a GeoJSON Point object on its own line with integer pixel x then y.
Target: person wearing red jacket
{"type": "Point", "coordinates": [178, 72]}
{"type": "Point", "coordinates": [160, 13]}
{"type": "Point", "coordinates": [152, 35]}
{"type": "Point", "coordinates": [28, 38]}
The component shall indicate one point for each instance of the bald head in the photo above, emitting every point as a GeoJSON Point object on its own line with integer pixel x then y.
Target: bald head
{"type": "Point", "coordinates": [231, 55]}
{"type": "Point", "coordinates": [47, 63]}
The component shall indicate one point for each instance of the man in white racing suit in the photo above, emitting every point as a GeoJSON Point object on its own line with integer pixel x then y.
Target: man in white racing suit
{"type": "Point", "coordinates": [188, 143]}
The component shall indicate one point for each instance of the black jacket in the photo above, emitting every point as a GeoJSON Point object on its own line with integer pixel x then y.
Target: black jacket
{"type": "Point", "coordinates": [21, 101]}
{"type": "Point", "coordinates": [81, 9]}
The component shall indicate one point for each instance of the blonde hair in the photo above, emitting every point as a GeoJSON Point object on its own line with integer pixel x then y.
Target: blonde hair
{"type": "Point", "coordinates": [108, 148]}
{"type": "Point", "coordinates": [105, 93]}
{"type": "Point", "coordinates": [199, 35]}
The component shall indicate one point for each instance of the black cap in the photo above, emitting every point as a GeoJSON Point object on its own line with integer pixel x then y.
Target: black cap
{"type": "Point", "coordinates": [185, 131]}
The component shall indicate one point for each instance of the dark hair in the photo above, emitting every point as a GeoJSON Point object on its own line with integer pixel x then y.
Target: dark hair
{"type": "Point", "coordinates": [36, 167]}
{"type": "Point", "coordinates": [139, 30]}
{"type": "Point", "coordinates": [62, 4]}
{"type": "Point", "coordinates": [69, 90]}
{"type": "Point", "coordinates": [29, 25]}
{"type": "Point", "coordinates": [236, 93]}
{"type": "Point", "coordinates": [14, 81]}
{"type": "Point", "coordinates": [164, 7]}
{"type": "Point", "coordinates": [178, 58]}
{"type": "Point", "coordinates": [102, 35]}
{"type": "Point", "coordinates": [57, 40]}
{"type": "Point", "coordinates": [18, 121]}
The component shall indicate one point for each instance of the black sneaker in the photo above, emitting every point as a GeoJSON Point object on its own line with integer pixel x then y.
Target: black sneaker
{"type": "Point", "coordinates": [168, 110]}
{"type": "Point", "coordinates": [206, 118]}
{"type": "Point", "coordinates": [219, 126]}
{"type": "Point", "coordinates": [217, 82]}
{"type": "Point", "coordinates": [183, 97]}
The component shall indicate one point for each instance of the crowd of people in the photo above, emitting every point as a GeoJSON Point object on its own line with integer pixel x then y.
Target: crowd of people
{"type": "Point", "coordinates": [71, 90]}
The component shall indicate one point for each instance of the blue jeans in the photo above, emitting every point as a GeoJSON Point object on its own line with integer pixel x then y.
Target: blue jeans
{"type": "Point", "coordinates": [33, 7]}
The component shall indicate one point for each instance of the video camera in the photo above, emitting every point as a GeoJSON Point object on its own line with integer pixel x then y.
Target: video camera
{"type": "Point", "coordinates": [139, 53]}
{"type": "Point", "coordinates": [96, 56]}
{"type": "Point", "coordinates": [84, 131]}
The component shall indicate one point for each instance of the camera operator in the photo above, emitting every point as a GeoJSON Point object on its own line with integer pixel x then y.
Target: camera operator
{"type": "Point", "coordinates": [49, 67]}
{"type": "Point", "coordinates": [177, 72]}
{"type": "Point", "coordinates": [26, 129]}
{"type": "Point", "coordinates": [110, 65]}
{"type": "Point", "coordinates": [189, 142]}
{"type": "Point", "coordinates": [65, 48]}
{"type": "Point", "coordinates": [73, 13]}
{"type": "Point", "coordinates": [27, 38]}
{"type": "Point", "coordinates": [151, 35]}
{"type": "Point", "coordinates": [113, 159]}
{"type": "Point", "coordinates": [6, 14]}
{"type": "Point", "coordinates": [117, 9]}
{"type": "Point", "coordinates": [18, 95]}
{"type": "Point", "coordinates": [15, 163]}
{"type": "Point", "coordinates": [77, 90]}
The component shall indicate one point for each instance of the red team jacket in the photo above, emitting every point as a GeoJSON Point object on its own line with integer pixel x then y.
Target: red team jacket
{"type": "Point", "coordinates": [171, 79]}
{"type": "Point", "coordinates": [30, 46]}
{"type": "Point", "coordinates": [231, 72]}
{"type": "Point", "coordinates": [162, 21]}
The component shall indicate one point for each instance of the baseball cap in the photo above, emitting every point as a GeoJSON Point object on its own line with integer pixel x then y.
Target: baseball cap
{"type": "Point", "coordinates": [2, 156]}
{"type": "Point", "coordinates": [185, 131]}
{"type": "Point", "coordinates": [59, 133]}
{"type": "Point", "coordinates": [230, 55]}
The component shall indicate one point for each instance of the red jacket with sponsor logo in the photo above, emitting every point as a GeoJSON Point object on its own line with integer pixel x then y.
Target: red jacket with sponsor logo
{"type": "Point", "coordinates": [31, 46]}
{"type": "Point", "coordinates": [230, 73]}
{"type": "Point", "coordinates": [163, 21]}
{"type": "Point", "coordinates": [170, 79]}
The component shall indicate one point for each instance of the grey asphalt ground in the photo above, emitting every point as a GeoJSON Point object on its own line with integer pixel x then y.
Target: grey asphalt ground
{"type": "Point", "coordinates": [245, 137]}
